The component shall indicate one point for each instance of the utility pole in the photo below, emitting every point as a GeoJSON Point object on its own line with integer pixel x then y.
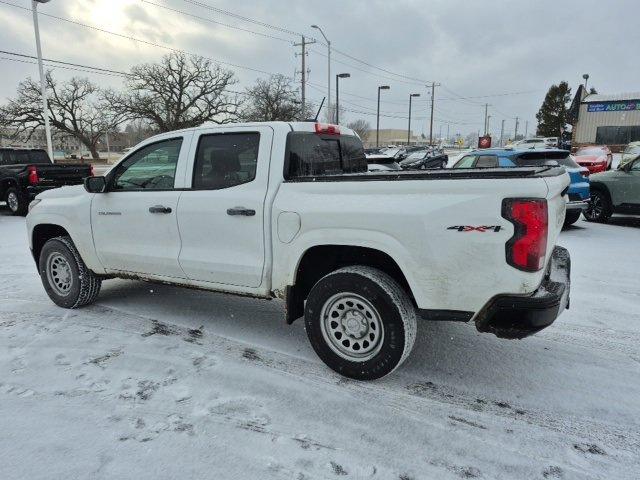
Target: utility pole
{"type": "Point", "coordinates": [515, 134]}
{"type": "Point", "coordinates": [440, 134]}
{"type": "Point", "coordinates": [447, 133]}
{"type": "Point", "coordinates": [526, 129]}
{"type": "Point", "coordinates": [433, 93]}
{"type": "Point", "coordinates": [43, 83]}
{"type": "Point", "coordinates": [502, 133]}
{"type": "Point", "coordinates": [303, 54]}
{"type": "Point", "coordinates": [486, 119]}
{"type": "Point", "coordinates": [338, 77]}
{"type": "Point", "coordinates": [328, 69]}
{"type": "Point", "coordinates": [381, 87]}
{"type": "Point", "coordinates": [108, 147]}
{"type": "Point", "coordinates": [411, 95]}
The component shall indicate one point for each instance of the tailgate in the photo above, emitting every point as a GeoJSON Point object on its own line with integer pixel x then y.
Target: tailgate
{"type": "Point", "coordinates": [61, 175]}
{"type": "Point", "coordinates": [556, 204]}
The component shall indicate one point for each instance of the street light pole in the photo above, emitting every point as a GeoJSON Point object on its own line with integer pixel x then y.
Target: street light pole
{"type": "Point", "coordinates": [382, 87]}
{"type": "Point", "coordinates": [338, 77]}
{"type": "Point", "coordinates": [43, 82]}
{"type": "Point", "coordinates": [328, 69]}
{"type": "Point", "coordinates": [411, 95]}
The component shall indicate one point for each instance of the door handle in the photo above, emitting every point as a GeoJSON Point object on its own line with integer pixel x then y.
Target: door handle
{"type": "Point", "coordinates": [246, 212]}
{"type": "Point", "coordinates": [159, 209]}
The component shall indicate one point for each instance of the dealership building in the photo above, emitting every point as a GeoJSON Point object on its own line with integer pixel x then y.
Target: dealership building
{"type": "Point", "coordinates": [612, 120]}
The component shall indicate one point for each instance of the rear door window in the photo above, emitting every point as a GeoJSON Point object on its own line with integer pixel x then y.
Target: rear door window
{"type": "Point", "coordinates": [226, 160]}
{"type": "Point", "coordinates": [311, 154]}
{"type": "Point", "coordinates": [487, 161]}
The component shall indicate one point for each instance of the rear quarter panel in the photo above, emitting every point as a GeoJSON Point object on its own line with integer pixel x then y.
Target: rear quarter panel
{"type": "Point", "coordinates": [446, 268]}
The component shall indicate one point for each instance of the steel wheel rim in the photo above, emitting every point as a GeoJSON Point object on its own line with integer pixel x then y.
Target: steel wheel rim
{"type": "Point", "coordinates": [59, 274]}
{"type": "Point", "coordinates": [595, 207]}
{"type": "Point", "coordinates": [351, 327]}
{"type": "Point", "coordinates": [12, 201]}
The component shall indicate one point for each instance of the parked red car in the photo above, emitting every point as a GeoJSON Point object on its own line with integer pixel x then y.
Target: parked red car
{"type": "Point", "coordinates": [597, 158]}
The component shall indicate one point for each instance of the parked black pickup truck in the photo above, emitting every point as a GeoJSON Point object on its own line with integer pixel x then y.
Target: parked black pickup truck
{"type": "Point", "coordinates": [26, 172]}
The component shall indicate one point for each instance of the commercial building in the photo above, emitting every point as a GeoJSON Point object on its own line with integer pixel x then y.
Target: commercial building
{"type": "Point", "coordinates": [612, 120]}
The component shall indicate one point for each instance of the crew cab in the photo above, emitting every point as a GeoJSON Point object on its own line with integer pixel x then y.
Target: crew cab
{"type": "Point", "coordinates": [288, 210]}
{"type": "Point", "coordinates": [26, 172]}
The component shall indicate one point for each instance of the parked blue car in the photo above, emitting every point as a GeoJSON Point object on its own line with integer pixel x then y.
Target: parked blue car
{"type": "Point", "coordinates": [578, 195]}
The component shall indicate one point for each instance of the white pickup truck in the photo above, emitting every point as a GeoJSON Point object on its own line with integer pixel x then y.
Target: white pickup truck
{"type": "Point", "coordinates": [288, 210]}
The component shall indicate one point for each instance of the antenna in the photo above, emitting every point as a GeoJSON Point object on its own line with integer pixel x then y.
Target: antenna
{"type": "Point", "coordinates": [319, 109]}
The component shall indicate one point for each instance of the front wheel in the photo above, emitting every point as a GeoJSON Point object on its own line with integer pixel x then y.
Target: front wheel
{"type": "Point", "coordinates": [65, 277]}
{"type": "Point", "coordinates": [360, 322]}
{"type": "Point", "coordinates": [599, 209]}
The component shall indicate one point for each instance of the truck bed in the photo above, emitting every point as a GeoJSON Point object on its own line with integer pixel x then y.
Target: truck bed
{"type": "Point", "coordinates": [443, 174]}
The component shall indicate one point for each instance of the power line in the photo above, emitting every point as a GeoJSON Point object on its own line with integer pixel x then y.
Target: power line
{"type": "Point", "coordinates": [105, 70]}
{"type": "Point", "coordinates": [146, 42]}
{"type": "Point", "coordinates": [56, 66]}
{"type": "Point", "coordinates": [377, 75]}
{"type": "Point", "coordinates": [204, 19]}
{"type": "Point", "coordinates": [242, 17]}
{"type": "Point", "coordinates": [291, 32]}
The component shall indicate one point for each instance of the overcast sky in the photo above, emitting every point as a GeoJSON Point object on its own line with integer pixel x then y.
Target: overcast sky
{"type": "Point", "coordinates": [508, 51]}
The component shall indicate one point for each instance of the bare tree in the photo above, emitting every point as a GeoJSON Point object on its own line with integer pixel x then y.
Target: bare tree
{"type": "Point", "coordinates": [274, 99]}
{"type": "Point", "coordinates": [179, 92]}
{"type": "Point", "coordinates": [76, 108]}
{"type": "Point", "coordinates": [361, 127]}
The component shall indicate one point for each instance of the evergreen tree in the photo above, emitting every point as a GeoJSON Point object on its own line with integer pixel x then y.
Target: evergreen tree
{"type": "Point", "coordinates": [552, 116]}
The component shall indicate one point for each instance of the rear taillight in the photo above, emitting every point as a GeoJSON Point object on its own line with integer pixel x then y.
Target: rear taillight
{"type": "Point", "coordinates": [327, 129]}
{"type": "Point", "coordinates": [33, 175]}
{"type": "Point", "coordinates": [527, 249]}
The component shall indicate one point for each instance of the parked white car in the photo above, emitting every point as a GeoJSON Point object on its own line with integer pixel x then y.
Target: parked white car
{"type": "Point", "coordinates": [288, 210]}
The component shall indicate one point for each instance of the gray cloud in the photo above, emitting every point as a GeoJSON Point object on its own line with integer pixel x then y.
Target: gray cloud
{"type": "Point", "coordinates": [472, 48]}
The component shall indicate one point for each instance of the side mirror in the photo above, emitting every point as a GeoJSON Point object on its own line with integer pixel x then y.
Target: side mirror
{"type": "Point", "coordinates": [95, 184]}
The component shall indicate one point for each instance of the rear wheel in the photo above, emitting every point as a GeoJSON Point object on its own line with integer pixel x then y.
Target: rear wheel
{"type": "Point", "coordinates": [571, 217]}
{"type": "Point", "coordinates": [65, 277]}
{"type": "Point", "coordinates": [599, 209]}
{"type": "Point", "coordinates": [360, 322]}
{"type": "Point", "coordinates": [16, 202]}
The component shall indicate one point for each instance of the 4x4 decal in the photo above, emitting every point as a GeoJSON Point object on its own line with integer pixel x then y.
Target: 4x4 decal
{"type": "Point", "coordinates": [481, 229]}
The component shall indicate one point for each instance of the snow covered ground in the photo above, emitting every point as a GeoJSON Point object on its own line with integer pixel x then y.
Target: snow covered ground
{"type": "Point", "coordinates": [155, 382]}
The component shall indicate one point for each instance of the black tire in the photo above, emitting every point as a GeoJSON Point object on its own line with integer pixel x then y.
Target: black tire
{"type": "Point", "coordinates": [59, 260]}
{"type": "Point", "coordinates": [571, 217]}
{"type": "Point", "coordinates": [368, 289]}
{"type": "Point", "coordinates": [17, 202]}
{"type": "Point", "coordinates": [599, 209]}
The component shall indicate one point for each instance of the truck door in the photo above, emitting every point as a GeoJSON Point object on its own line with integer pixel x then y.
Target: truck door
{"type": "Point", "coordinates": [221, 218]}
{"type": "Point", "coordinates": [134, 223]}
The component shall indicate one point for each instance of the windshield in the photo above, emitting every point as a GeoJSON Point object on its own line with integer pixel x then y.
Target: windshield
{"type": "Point", "coordinates": [419, 155]}
{"type": "Point", "coordinates": [590, 151]}
{"type": "Point", "coordinates": [632, 149]}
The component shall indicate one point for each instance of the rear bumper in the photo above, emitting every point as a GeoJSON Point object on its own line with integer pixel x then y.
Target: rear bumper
{"type": "Point", "coordinates": [578, 205]}
{"type": "Point", "coordinates": [515, 316]}
{"type": "Point", "coordinates": [32, 191]}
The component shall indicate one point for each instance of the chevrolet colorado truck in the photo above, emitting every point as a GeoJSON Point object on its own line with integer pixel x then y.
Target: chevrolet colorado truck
{"type": "Point", "coordinates": [26, 172]}
{"type": "Point", "coordinates": [288, 210]}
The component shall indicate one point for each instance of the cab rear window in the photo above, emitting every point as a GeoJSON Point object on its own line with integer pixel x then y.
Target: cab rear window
{"type": "Point", "coordinates": [310, 154]}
